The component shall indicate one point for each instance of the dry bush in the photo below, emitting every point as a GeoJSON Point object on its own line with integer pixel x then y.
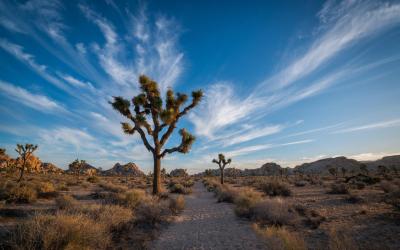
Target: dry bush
{"type": "Point", "coordinates": [133, 198]}
{"type": "Point", "coordinates": [245, 201]}
{"type": "Point", "coordinates": [275, 188]}
{"type": "Point", "coordinates": [93, 179]}
{"type": "Point", "coordinates": [73, 227]}
{"type": "Point", "coordinates": [22, 193]}
{"type": "Point", "coordinates": [178, 188]}
{"type": "Point", "coordinates": [279, 238]}
{"type": "Point", "coordinates": [62, 187]}
{"type": "Point", "coordinates": [151, 212]}
{"type": "Point", "coordinates": [46, 190]}
{"type": "Point", "coordinates": [389, 187]}
{"type": "Point", "coordinates": [341, 240]}
{"type": "Point", "coordinates": [65, 202]}
{"type": "Point", "coordinates": [226, 194]}
{"type": "Point", "coordinates": [352, 198]}
{"type": "Point", "coordinates": [274, 211]}
{"type": "Point", "coordinates": [312, 217]}
{"type": "Point", "coordinates": [112, 187]}
{"type": "Point", "coordinates": [338, 188]}
{"type": "Point", "coordinates": [177, 205]}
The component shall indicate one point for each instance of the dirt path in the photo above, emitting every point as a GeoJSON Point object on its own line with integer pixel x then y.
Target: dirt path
{"type": "Point", "coordinates": [206, 224]}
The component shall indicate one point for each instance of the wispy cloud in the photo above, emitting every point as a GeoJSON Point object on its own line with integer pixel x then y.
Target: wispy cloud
{"type": "Point", "coordinates": [35, 101]}
{"type": "Point", "coordinates": [372, 156]}
{"type": "Point", "coordinates": [377, 125]}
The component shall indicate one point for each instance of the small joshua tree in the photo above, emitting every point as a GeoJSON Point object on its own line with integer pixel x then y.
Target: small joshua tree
{"type": "Point", "coordinates": [333, 171]}
{"type": "Point", "coordinates": [149, 104]}
{"type": "Point", "coordinates": [77, 166]}
{"type": "Point", "coordinates": [222, 162]}
{"type": "Point", "coordinates": [364, 169]}
{"type": "Point", "coordinates": [344, 170]}
{"type": "Point", "coordinates": [25, 152]}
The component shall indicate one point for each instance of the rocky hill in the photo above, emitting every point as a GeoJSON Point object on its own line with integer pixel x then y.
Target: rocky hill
{"type": "Point", "coordinates": [128, 169]}
{"type": "Point", "coordinates": [48, 167]}
{"type": "Point", "coordinates": [387, 161]}
{"type": "Point", "coordinates": [323, 166]}
{"type": "Point", "coordinates": [268, 169]}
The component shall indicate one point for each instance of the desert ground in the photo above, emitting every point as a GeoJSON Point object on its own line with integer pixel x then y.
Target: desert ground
{"type": "Point", "coordinates": [64, 211]}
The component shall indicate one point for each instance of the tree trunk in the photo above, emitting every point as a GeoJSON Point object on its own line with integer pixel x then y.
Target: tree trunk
{"type": "Point", "coordinates": [21, 174]}
{"type": "Point", "coordinates": [222, 175]}
{"type": "Point", "coordinates": [156, 175]}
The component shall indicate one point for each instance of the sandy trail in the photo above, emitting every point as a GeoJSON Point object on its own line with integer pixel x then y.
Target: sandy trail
{"type": "Point", "coordinates": [206, 224]}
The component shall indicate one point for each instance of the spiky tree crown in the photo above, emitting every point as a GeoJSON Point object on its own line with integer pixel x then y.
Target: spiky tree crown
{"type": "Point", "coordinates": [222, 161]}
{"type": "Point", "coordinates": [25, 150]}
{"type": "Point", "coordinates": [149, 104]}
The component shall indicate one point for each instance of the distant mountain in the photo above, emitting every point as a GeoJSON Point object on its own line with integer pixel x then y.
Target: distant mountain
{"type": "Point", "coordinates": [86, 169]}
{"type": "Point", "coordinates": [130, 169]}
{"type": "Point", "coordinates": [48, 167]}
{"type": "Point", "coordinates": [322, 166]}
{"type": "Point", "coordinates": [387, 161]}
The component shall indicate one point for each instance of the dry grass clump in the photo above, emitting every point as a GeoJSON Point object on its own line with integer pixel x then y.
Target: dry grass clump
{"type": "Point", "coordinates": [78, 227]}
{"type": "Point", "coordinates": [177, 205]}
{"type": "Point", "coordinates": [312, 217]}
{"type": "Point", "coordinates": [340, 240]}
{"type": "Point", "coordinates": [113, 187]}
{"type": "Point", "coordinates": [46, 190]}
{"type": "Point", "coordinates": [274, 211]}
{"type": "Point", "coordinates": [178, 188]}
{"type": "Point", "coordinates": [133, 198]}
{"type": "Point", "coordinates": [338, 188]}
{"type": "Point", "coordinates": [152, 212]}
{"type": "Point", "coordinates": [245, 201]}
{"type": "Point", "coordinates": [93, 179]}
{"type": "Point", "coordinates": [275, 188]}
{"type": "Point", "coordinates": [21, 193]}
{"type": "Point", "coordinates": [65, 202]}
{"type": "Point", "coordinates": [389, 187]}
{"type": "Point", "coordinates": [279, 238]}
{"type": "Point", "coordinates": [226, 194]}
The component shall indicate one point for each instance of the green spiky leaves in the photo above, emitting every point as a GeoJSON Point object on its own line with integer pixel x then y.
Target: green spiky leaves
{"type": "Point", "coordinates": [121, 105]}
{"type": "Point", "coordinates": [222, 161]}
{"type": "Point", "coordinates": [127, 128]}
{"type": "Point", "coordinates": [187, 141]}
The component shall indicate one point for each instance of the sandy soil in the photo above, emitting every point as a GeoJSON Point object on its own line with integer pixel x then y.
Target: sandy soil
{"type": "Point", "coordinates": [206, 224]}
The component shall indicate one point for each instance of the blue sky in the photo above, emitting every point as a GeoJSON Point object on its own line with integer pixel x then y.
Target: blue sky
{"type": "Point", "coordinates": [288, 82]}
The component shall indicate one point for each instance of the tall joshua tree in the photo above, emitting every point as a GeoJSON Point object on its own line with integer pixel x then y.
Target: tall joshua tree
{"type": "Point", "coordinates": [25, 152]}
{"type": "Point", "coordinates": [149, 105]}
{"type": "Point", "coordinates": [222, 162]}
{"type": "Point", "coordinates": [77, 166]}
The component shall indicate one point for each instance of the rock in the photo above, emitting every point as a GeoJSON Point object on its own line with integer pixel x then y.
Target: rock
{"type": "Point", "coordinates": [130, 169]}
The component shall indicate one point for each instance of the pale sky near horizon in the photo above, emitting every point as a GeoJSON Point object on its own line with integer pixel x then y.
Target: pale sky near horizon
{"type": "Point", "coordinates": [287, 81]}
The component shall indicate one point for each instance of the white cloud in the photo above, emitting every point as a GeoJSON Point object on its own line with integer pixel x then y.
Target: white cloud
{"type": "Point", "coordinates": [372, 156]}
{"type": "Point", "coordinates": [35, 101]}
{"type": "Point", "coordinates": [378, 125]}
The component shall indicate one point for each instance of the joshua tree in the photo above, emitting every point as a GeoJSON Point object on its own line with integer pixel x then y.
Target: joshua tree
{"type": "Point", "coordinates": [149, 104]}
{"type": "Point", "coordinates": [382, 170]}
{"type": "Point", "coordinates": [344, 170]}
{"type": "Point", "coordinates": [25, 152]}
{"type": "Point", "coordinates": [333, 171]}
{"type": "Point", "coordinates": [77, 166]}
{"type": "Point", "coordinates": [364, 169]}
{"type": "Point", "coordinates": [222, 162]}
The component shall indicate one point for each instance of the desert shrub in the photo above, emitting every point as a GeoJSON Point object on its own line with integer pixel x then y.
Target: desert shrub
{"type": "Point", "coordinates": [245, 200]}
{"type": "Point", "coordinates": [393, 198]}
{"type": "Point", "coordinates": [46, 190]}
{"type": "Point", "coordinates": [275, 188]}
{"type": "Point", "coordinates": [151, 212]}
{"type": "Point", "coordinates": [176, 205]}
{"type": "Point", "coordinates": [62, 187]}
{"type": "Point", "coordinates": [65, 202]}
{"type": "Point", "coordinates": [340, 240]}
{"type": "Point", "coordinates": [112, 187]}
{"type": "Point", "coordinates": [72, 182]}
{"type": "Point", "coordinates": [22, 193]}
{"type": "Point", "coordinates": [61, 231]}
{"type": "Point", "coordinates": [226, 194]}
{"type": "Point", "coordinates": [273, 212]}
{"type": "Point", "coordinates": [389, 187]}
{"type": "Point", "coordinates": [93, 179]}
{"type": "Point", "coordinates": [133, 198]}
{"type": "Point", "coordinates": [279, 238]}
{"type": "Point", "coordinates": [178, 188]}
{"type": "Point", "coordinates": [359, 185]}
{"type": "Point", "coordinates": [188, 183]}
{"type": "Point", "coordinates": [352, 198]}
{"type": "Point", "coordinates": [300, 183]}
{"type": "Point", "coordinates": [338, 188]}
{"type": "Point", "coordinates": [312, 218]}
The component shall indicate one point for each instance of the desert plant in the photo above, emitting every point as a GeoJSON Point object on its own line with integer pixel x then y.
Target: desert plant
{"type": "Point", "coordinates": [65, 202]}
{"type": "Point", "coordinates": [245, 201]}
{"type": "Point", "coordinates": [149, 103]}
{"type": "Point", "coordinates": [333, 171]}
{"type": "Point", "coordinates": [275, 188]}
{"type": "Point", "coordinates": [24, 152]}
{"type": "Point", "coordinates": [177, 205]}
{"type": "Point", "coordinates": [77, 166]}
{"type": "Point", "coordinates": [343, 170]}
{"type": "Point", "coordinates": [279, 238]}
{"type": "Point", "coordinates": [22, 193]}
{"type": "Point", "coordinates": [93, 179]}
{"type": "Point", "coordinates": [222, 162]}
{"type": "Point", "coordinates": [275, 211]}
{"type": "Point", "coordinates": [364, 169]}
{"type": "Point", "coordinates": [338, 188]}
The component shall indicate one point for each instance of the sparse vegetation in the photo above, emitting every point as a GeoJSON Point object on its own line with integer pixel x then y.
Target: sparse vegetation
{"type": "Point", "coordinates": [275, 188]}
